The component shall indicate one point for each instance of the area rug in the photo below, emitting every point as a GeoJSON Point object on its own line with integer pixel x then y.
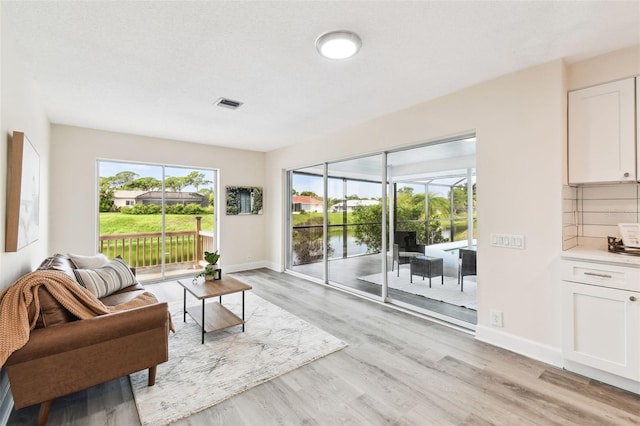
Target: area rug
{"type": "Point", "coordinates": [448, 293]}
{"type": "Point", "coordinates": [198, 376]}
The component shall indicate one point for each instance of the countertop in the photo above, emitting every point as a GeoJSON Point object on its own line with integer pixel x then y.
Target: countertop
{"type": "Point", "coordinates": [601, 255]}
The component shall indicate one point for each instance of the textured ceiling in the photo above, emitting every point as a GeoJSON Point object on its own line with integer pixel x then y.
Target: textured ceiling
{"type": "Point", "coordinates": [156, 68]}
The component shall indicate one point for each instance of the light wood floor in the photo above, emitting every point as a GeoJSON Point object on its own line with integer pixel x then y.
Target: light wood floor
{"type": "Point", "coordinates": [398, 369]}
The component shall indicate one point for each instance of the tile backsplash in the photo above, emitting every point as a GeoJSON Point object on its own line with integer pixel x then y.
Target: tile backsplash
{"type": "Point", "coordinates": [591, 213]}
{"type": "Point", "coordinates": [569, 217]}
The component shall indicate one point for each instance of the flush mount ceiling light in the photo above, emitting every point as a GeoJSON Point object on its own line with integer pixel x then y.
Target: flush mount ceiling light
{"type": "Point", "coordinates": [338, 44]}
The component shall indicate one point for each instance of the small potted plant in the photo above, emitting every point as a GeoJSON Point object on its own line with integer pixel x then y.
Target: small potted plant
{"type": "Point", "coordinates": [212, 258]}
{"type": "Point", "coordinates": [211, 271]}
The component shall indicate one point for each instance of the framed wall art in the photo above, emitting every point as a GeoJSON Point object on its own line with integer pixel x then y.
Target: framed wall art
{"type": "Point", "coordinates": [23, 193]}
{"type": "Point", "coordinates": [244, 200]}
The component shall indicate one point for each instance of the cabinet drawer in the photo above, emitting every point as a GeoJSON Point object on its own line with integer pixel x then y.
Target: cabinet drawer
{"type": "Point", "coordinates": [612, 276]}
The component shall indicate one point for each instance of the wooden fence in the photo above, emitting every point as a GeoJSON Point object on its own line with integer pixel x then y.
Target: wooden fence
{"type": "Point", "coordinates": [145, 249]}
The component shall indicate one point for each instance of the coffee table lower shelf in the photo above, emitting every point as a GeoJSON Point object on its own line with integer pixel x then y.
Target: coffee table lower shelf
{"type": "Point", "coordinates": [216, 316]}
{"type": "Point", "coordinates": [212, 316]}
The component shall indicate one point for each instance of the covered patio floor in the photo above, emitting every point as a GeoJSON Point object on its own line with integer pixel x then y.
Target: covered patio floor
{"type": "Point", "coordinates": [346, 272]}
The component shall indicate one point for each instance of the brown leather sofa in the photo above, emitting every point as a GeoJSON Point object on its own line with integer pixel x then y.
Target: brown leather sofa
{"type": "Point", "coordinates": [65, 354]}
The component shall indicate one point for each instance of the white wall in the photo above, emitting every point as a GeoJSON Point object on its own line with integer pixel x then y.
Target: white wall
{"type": "Point", "coordinates": [520, 123]}
{"type": "Point", "coordinates": [74, 152]}
{"type": "Point", "coordinates": [520, 127]}
{"type": "Point", "coordinates": [612, 66]}
{"type": "Point", "coordinates": [21, 111]}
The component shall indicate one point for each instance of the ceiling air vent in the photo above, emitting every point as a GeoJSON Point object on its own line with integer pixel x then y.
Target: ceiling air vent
{"type": "Point", "coordinates": [228, 103]}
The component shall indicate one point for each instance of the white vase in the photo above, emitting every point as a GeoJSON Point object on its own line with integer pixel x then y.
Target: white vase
{"type": "Point", "coordinates": [212, 276]}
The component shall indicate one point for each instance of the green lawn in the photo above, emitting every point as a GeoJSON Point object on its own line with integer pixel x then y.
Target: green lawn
{"type": "Point", "coordinates": [118, 223]}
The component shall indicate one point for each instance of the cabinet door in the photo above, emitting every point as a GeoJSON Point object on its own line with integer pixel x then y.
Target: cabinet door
{"type": "Point", "coordinates": [602, 133]}
{"type": "Point", "coordinates": [601, 328]}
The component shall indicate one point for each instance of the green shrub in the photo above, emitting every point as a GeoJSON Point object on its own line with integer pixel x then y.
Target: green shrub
{"type": "Point", "coordinates": [151, 209]}
{"type": "Point", "coordinates": [193, 209]}
{"type": "Point", "coordinates": [174, 209]}
{"type": "Point", "coordinates": [190, 209]}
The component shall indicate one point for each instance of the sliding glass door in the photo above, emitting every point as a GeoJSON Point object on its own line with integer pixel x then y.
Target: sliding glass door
{"type": "Point", "coordinates": [392, 226]}
{"type": "Point", "coordinates": [355, 224]}
{"type": "Point", "coordinates": [160, 219]}
{"type": "Point", "coordinates": [432, 221]}
{"type": "Point", "coordinates": [306, 218]}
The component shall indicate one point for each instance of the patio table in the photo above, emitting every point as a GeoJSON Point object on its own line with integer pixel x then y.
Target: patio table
{"type": "Point", "coordinates": [427, 266]}
{"type": "Point", "coordinates": [403, 256]}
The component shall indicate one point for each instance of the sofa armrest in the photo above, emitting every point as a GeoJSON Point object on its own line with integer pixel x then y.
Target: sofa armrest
{"type": "Point", "coordinates": [66, 358]}
{"type": "Point", "coordinates": [81, 333]}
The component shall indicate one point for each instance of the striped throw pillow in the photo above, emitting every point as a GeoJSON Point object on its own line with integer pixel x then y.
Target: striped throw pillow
{"type": "Point", "coordinates": [107, 279]}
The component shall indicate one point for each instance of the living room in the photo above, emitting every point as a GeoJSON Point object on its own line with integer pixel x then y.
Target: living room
{"type": "Point", "coordinates": [519, 118]}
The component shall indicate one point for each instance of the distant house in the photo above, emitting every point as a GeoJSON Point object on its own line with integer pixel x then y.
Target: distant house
{"type": "Point", "coordinates": [170, 198]}
{"type": "Point", "coordinates": [352, 204]}
{"type": "Point", "coordinates": [125, 198]}
{"type": "Point", "coordinates": [307, 204]}
{"type": "Point", "coordinates": [131, 198]}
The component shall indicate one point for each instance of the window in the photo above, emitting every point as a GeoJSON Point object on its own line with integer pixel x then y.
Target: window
{"type": "Point", "coordinates": [245, 201]}
{"type": "Point", "coordinates": [160, 219]}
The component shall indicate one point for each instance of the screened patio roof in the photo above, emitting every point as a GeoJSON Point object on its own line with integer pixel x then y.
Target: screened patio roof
{"type": "Point", "coordinates": [442, 163]}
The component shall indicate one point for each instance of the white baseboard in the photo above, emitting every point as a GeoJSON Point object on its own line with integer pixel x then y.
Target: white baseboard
{"type": "Point", "coordinates": [519, 345]}
{"type": "Point", "coordinates": [274, 267]}
{"type": "Point", "coordinates": [244, 266]}
{"type": "Point", "coordinates": [603, 376]}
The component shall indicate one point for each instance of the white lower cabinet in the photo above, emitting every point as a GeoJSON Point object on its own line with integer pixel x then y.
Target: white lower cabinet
{"type": "Point", "coordinates": [601, 325]}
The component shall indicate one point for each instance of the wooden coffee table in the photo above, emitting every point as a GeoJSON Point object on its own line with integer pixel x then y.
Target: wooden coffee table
{"type": "Point", "coordinates": [213, 316]}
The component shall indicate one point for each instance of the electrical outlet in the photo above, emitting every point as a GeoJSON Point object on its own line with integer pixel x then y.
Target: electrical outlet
{"type": "Point", "coordinates": [495, 318]}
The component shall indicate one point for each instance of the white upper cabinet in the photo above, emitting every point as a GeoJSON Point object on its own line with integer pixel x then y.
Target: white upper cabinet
{"type": "Point", "coordinates": [602, 133]}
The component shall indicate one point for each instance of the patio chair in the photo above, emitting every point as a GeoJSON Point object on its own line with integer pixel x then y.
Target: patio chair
{"type": "Point", "coordinates": [402, 256]}
{"type": "Point", "coordinates": [406, 241]}
{"type": "Point", "coordinates": [466, 265]}
{"type": "Point", "coordinates": [397, 260]}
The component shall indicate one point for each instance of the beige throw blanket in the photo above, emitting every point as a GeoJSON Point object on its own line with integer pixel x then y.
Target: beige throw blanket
{"type": "Point", "coordinates": [15, 324]}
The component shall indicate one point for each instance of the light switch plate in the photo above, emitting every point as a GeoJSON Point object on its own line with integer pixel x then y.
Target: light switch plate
{"type": "Point", "coordinates": [507, 240]}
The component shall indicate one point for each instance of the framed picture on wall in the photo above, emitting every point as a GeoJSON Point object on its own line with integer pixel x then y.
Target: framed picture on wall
{"type": "Point", "coordinates": [23, 193]}
{"type": "Point", "coordinates": [244, 200]}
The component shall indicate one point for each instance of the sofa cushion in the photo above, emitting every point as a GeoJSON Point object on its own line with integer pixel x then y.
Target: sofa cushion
{"type": "Point", "coordinates": [123, 296]}
{"type": "Point", "coordinates": [106, 280]}
{"type": "Point", "coordinates": [51, 311]}
{"type": "Point", "coordinates": [59, 262]}
{"type": "Point", "coordinates": [88, 262]}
